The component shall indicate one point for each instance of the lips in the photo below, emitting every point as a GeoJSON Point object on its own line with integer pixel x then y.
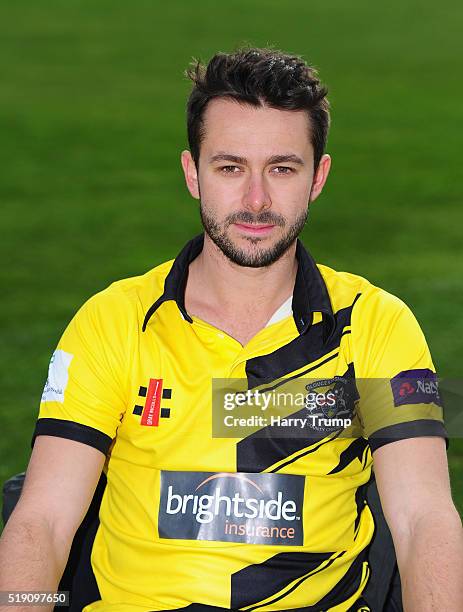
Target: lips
{"type": "Point", "coordinates": [254, 228]}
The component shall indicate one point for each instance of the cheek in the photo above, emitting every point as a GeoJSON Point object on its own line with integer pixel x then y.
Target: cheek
{"type": "Point", "coordinates": [219, 195]}
{"type": "Point", "coordinates": [292, 195]}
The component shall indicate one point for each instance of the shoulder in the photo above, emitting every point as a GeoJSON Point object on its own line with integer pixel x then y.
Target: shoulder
{"type": "Point", "coordinates": [125, 300]}
{"type": "Point", "coordinates": [143, 289]}
{"type": "Point", "coordinates": [368, 301]}
{"type": "Point", "coordinates": [385, 336]}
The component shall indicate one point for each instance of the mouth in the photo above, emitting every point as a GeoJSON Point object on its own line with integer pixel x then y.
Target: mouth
{"type": "Point", "coordinates": [254, 229]}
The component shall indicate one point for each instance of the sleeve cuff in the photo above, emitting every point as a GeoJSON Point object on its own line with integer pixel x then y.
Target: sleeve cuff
{"type": "Point", "coordinates": [72, 431]}
{"type": "Point", "coordinates": [403, 431]}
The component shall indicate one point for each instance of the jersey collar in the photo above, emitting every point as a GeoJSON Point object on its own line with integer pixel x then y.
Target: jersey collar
{"type": "Point", "coordinates": [310, 293]}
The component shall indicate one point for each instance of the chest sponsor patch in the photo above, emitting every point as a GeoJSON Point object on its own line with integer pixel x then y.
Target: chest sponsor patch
{"type": "Point", "coordinates": [419, 386]}
{"type": "Point", "coordinates": [232, 507]}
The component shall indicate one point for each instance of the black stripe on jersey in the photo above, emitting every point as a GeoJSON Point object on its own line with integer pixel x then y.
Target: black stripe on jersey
{"type": "Point", "coordinates": [355, 450]}
{"type": "Point", "coordinates": [307, 452]}
{"type": "Point", "coordinates": [257, 582]}
{"type": "Point", "coordinates": [304, 349]}
{"type": "Point", "coordinates": [271, 444]}
{"type": "Point", "coordinates": [360, 502]}
{"type": "Point", "coordinates": [256, 453]}
{"type": "Point", "coordinates": [381, 559]}
{"type": "Point", "coordinates": [344, 589]}
{"type": "Point", "coordinates": [72, 431]}
{"type": "Point", "coordinates": [284, 381]}
{"type": "Point", "coordinates": [360, 606]}
{"type": "Point", "coordinates": [403, 431]}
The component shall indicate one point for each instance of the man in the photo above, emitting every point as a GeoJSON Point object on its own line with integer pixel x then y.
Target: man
{"type": "Point", "coordinates": [271, 520]}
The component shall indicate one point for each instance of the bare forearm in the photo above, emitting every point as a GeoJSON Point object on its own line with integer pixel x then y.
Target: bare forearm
{"type": "Point", "coordinates": [30, 558]}
{"type": "Point", "coordinates": [431, 565]}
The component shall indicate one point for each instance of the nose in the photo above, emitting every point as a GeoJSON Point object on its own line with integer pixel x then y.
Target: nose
{"type": "Point", "coordinates": [256, 197]}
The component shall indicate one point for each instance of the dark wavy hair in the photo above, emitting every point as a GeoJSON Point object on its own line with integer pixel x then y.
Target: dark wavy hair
{"type": "Point", "coordinates": [258, 77]}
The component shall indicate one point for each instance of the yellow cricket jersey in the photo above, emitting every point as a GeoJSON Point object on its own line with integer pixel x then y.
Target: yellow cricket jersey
{"type": "Point", "coordinates": [271, 520]}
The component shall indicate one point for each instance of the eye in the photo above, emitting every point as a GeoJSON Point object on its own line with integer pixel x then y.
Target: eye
{"type": "Point", "coordinates": [282, 170]}
{"type": "Point", "coordinates": [230, 169]}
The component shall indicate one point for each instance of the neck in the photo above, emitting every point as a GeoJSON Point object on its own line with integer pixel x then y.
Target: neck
{"type": "Point", "coordinates": [216, 283]}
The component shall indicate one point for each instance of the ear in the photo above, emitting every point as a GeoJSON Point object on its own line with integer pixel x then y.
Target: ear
{"type": "Point", "coordinates": [191, 174]}
{"type": "Point", "coordinates": [320, 177]}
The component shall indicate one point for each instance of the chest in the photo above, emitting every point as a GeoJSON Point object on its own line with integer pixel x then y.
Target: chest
{"type": "Point", "coordinates": [176, 410]}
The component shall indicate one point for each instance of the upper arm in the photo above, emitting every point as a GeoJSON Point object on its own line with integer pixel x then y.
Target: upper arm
{"type": "Point", "coordinates": [60, 482]}
{"type": "Point", "coordinates": [413, 480]}
{"type": "Point", "coordinates": [414, 488]}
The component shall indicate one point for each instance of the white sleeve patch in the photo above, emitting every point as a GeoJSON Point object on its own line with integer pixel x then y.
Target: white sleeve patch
{"type": "Point", "coordinates": [57, 377]}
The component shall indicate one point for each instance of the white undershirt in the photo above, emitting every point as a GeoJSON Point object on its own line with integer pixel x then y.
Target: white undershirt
{"type": "Point", "coordinates": [285, 310]}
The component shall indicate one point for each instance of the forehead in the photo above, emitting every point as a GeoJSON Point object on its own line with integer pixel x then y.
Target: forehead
{"type": "Point", "coordinates": [242, 128]}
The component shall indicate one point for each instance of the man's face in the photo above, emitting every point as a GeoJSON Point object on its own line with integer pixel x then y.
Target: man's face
{"type": "Point", "coordinates": [254, 180]}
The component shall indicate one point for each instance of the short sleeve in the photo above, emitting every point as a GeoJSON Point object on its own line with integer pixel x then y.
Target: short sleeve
{"type": "Point", "coordinates": [84, 397]}
{"type": "Point", "coordinates": [396, 378]}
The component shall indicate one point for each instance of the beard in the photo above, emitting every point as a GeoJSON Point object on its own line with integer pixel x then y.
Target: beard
{"type": "Point", "coordinates": [258, 257]}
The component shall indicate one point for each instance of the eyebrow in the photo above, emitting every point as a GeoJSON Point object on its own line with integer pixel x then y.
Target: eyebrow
{"type": "Point", "coordinates": [275, 159]}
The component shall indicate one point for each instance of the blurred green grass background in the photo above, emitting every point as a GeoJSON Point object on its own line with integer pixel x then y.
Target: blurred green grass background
{"type": "Point", "coordinates": [92, 122]}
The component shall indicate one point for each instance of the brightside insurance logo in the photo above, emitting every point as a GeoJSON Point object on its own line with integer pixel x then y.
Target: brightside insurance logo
{"type": "Point", "coordinates": [232, 507]}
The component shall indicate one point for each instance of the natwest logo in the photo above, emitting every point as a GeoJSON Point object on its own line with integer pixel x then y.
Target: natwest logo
{"type": "Point", "coordinates": [429, 387]}
{"type": "Point", "coordinates": [419, 386]}
{"type": "Point", "coordinates": [406, 388]}
{"type": "Point", "coordinates": [236, 507]}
